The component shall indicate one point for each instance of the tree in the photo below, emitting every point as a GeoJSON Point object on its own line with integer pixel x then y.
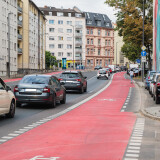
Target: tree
{"type": "Point", "coordinates": [50, 60]}
{"type": "Point", "coordinates": [130, 25]}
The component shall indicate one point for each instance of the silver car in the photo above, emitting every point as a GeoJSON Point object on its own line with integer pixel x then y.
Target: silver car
{"type": "Point", "coordinates": [7, 100]}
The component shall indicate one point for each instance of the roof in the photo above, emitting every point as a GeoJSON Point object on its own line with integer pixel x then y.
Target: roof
{"type": "Point", "coordinates": [98, 20]}
{"type": "Point", "coordinates": [70, 71]}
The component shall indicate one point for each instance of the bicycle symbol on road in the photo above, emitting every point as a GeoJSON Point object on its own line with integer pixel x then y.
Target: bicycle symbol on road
{"type": "Point", "coordinates": [43, 158]}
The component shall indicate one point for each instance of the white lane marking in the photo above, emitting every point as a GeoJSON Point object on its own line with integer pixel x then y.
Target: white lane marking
{"type": "Point", "coordinates": [13, 134]}
{"type": "Point", "coordinates": [130, 159]}
{"type": "Point", "coordinates": [136, 140]}
{"type": "Point", "coordinates": [5, 137]}
{"type": "Point", "coordinates": [136, 137]}
{"type": "Point", "coordinates": [133, 147]}
{"type": "Point", "coordinates": [135, 144]}
{"type": "Point", "coordinates": [126, 103]}
{"type": "Point", "coordinates": [23, 129]}
{"type": "Point", "coordinates": [3, 140]}
{"type": "Point", "coordinates": [122, 110]}
{"type": "Point", "coordinates": [133, 151]}
{"type": "Point", "coordinates": [132, 155]}
{"type": "Point", "coordinates": [28, 127]}
{"type": "Point", "coordinates": [124, 106]}
{"type": "Point", "coordinates": [39, 122]}
{"type": "Point", "coordinates": [19, 131]}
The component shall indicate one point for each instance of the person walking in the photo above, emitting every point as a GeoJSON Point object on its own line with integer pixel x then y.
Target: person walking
{"type": "Point", "coordinates": [131, 74]}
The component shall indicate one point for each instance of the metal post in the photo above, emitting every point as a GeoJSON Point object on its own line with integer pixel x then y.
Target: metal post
{"type": "Point", "coordinates": [116, 53]}
{"type": "Point", "coordinates": [9, 44]}
{"type": "Point", "coordinates": [73, 48]}
{"type": "Point", "coordinates": [143, 43]}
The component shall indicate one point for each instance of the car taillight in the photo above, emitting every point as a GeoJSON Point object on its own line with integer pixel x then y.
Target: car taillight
{"type": "Point", "coordinates": [158, 84]}
{"type": "Point", "coordinates": [78, 80]}
{"type": "Point", "coordinates": [60, 79]}
{"type": "Point", "coordinates": [16, 89]}
{"type": "Point", "coordinates": [148, 77]}
{"type": "Point", "coordinates": [46, 90]}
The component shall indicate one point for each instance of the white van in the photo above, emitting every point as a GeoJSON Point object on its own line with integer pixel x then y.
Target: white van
{"type": "Point", "coordinates": [113, 67]}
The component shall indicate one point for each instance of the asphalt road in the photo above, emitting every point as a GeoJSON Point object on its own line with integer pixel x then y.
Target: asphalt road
{"type": "Point", "coordinates": [29, 114]}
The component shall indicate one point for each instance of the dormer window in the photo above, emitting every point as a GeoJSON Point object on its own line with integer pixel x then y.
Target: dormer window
{"type": "Point", "coordinates": [98, 23]}
{"type": "Point", "coordinates": [59, 14]}
{"type": "Point", "coordinates": [78, 15]}
{"type": "Point", "coordinates": [50, 13]}
{"type": "Point", "coordinates": [89, 21]}
{"type": "Point", "coordinates": [107, 24]}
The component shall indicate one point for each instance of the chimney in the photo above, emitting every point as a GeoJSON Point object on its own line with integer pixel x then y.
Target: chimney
{"type": "Point", "coordinates": [45, 6]}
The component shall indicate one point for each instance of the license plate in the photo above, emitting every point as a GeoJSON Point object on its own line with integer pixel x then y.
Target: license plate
{"type": "Point", "coordinates": [30, 90]}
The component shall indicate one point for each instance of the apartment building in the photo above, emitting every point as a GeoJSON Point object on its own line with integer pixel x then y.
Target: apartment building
{"type": "Point", "coordinates": [65, 35]}
{"type": "Point", "coordinates": [8, 37]}
{"type": "Point", "coordinates": [31, 37]}
{"type": "Point", "coordinates": [99, 40]}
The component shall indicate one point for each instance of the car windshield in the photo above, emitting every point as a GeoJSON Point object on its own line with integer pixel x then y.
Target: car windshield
{"type": "Point", "coordinates": [102, 71]}
{"type": "Point", "coordinates": [35, 80]}
{"type": "Point", "coordinates": [69, 75]}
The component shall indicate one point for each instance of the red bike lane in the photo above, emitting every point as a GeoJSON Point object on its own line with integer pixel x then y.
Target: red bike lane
{"type": "Point", "coordinates": [96, 130]}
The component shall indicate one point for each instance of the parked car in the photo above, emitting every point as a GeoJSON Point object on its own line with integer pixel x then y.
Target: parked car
{"type": "Point", "coordinates": [148, 78]}
{"type": "Point", "coordinates": [137, 72]}
{"type": "Point", "coordinates": [117, 69]}
{"type": "Point", "coordinates": [73, 80]}
{"type": "Point", "coordinates": [45, 89]}
{"type": "Point", "coordinates": [123, 68]}
{"type": "Point", "coordinates": [156, 94]}
{"type": "Point", "coordinates": [102, 74]}
{"type": "Point", "coordinates": [97, 67]}
{"type": "Point", "coordinates": [152, 83]}
{"type": "Point", "coordinates": [7, 100]}
{"type": "Point", "coordinates": [107, 70]}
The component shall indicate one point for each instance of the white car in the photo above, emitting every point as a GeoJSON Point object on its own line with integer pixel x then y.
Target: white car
{"type": "Point", "coordinates": [102, 74]}
{"type": "Point", "coordinates": [152, 83]}
{"type": "Point", "coordinates": [7, 100]}
{"type": "Point", "coordinates": [107, 70]}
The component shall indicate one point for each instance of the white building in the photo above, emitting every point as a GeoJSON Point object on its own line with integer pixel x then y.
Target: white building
{"type": "Point", "coordinates": [8, 9]}
{"type": "Point", "coordinates": [65, 35]}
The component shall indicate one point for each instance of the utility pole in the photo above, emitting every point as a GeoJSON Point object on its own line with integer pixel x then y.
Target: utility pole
{"type": "Point", "coordinates": [116, 53]}
{"type": "Point", "coordinates": [8, 66]}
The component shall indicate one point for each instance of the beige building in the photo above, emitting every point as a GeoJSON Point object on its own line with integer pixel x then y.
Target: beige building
{"type": "Point", "coordinates": [119, 58]}
{"type": "Point", "coordinates": [31, 37]}
{"type": "Point", "coordinates": [99, 40]}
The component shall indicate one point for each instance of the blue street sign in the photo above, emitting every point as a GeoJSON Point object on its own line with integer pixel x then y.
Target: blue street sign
{"type": "Point", "coordinates": [143, 53]}
{"type": "Point", "coordinates": [138, 60]}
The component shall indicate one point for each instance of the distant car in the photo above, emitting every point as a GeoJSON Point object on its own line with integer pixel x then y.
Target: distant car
{"type": "Point", "coordinates": [34, 89]}
{"type": "Point", "coordinates": [137, 72]}
{"type": "Point", "coordinates": [117, 69]}
{"type": "Point", "coordinates": [73, 80]}
{"type": "Point", "coordinates": [107, 70]}
{"type": "Point", "coordinates": [148, 78]}
{"type": "Point", "coordinates": [97, 67]}
{"type": "Point", "coordinates": [80, 67]}
{"type": "Point", "coordinates": [156, 94]}
{"type": "Point", "coordinates": [7, 100]}
{"type": "Point", "coordinates": [102, 74]}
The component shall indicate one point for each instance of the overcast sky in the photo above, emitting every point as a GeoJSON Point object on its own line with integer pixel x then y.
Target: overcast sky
{"type": "Point", "coordinates": [96, 6]}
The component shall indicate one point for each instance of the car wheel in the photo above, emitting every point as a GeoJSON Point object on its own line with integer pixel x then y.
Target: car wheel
{"type": "Point", "coordinates": [97, 77]}
{"type": "Point", "coordinates": [156, 100]}
{"type": "Point", "coordinates": [63, 101]}
{"type": "Point", "coordinates": [81, 90]}
{"type": "Point", "coordinates": [53, 104]}
{"type": "Point", "coordinates": [154, 97]}
{"type": "Point", "coordinates": [12, 110]}
{"type": "Point", "coordinates": [85, 90]}
{"type": "Point", "coordinates": [107, 78]}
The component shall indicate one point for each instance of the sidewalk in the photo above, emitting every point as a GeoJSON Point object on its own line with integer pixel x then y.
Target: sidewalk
{"type": "Point", "coordinates": [94, 130]}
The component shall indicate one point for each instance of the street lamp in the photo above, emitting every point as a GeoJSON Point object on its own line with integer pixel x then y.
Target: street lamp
{"type": "Point", "coordinates": [8, 66]}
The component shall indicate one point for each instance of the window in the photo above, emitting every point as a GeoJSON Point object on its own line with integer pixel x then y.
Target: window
{"type": "Point", "coordinates": [78, 15]}
{"type": "Point", "coordinates": [69, 22]}
{"type": "Point", "coordinates": [78, 23]}
{"type": "Point", "coordinates": [91, 31]}
{"type": "Point", "coordinates": [109, 42]}
{"type": "Point", "coordinates": [51, 45]}
{"type": "Point", "coordinates": [51, 29]}
{"type": "Point", "coordinates": [92, 41]}
{"type": "Point", "coordinates": [99, 42]}
{"type": "Point", "coordinates": [108, 33]}
{"type": "Point", "coordinates": [69, 46]}
{"type": "Point", "coordinates": [60, 38]}
{"type": "Point", "coordinates": [87, 41]}
{"type": "Point", "coordinates": [60, 45]}
{"type": "Point", "coordinates": [69, 15]}
{"type": "Point", "coordinates": [87, 31]}
{"type": "Point", "coordinates": [50, 13]}
{"type": "Point", "coordinates": [69, 30]}
{"type": "Point", "coordinates": [60, 53]}
{"type": "Point", "coordinates": [69, 38]}
{"type": "Point", "coordinates": [60, 30]}
{"type": "Point", "coordinates": [106, 52]}
{"type": "Point", "coordinates": [99, 52]}
{"type": "Point", "coordinates": [106, 42]}
{"type": "Point", "coordinates": [107, 24]}
{"type": "Point", "coordinates": [51, 38]}
{"type": "Point", "coordinates": [69, 54]}
{"type": "Point", "coordinates": [51, 21]}
{"type": "Point", "coordinates": [91, 51]}
{"type": "Point", "coordinates": [87, 50]}
{"type": "Point", "coordinates": [89, 22]}
{"type": "Point", "coordinates": [59, 14]}
{"type": "Point", "coordinates": [99, 32]}
{"type": "Point", "coordinates": [60, 22]}
{"type": "Point", "coordinates": [98, 23]}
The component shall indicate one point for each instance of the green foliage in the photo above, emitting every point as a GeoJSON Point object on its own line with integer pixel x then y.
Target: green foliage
{"type": "Point", "coordinates": [130, 24]}
{"type": "Point", "coordinates": [50, 60]}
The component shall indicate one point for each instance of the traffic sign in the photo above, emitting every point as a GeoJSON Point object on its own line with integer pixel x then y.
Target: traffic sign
{"type": "Point", "coordinates": [138, 60]}
{"type": "Point", "coordinates": [143, 58]}
{"type": "Point", "coordinates": [143, 53]}
{"type": "Point", "coordinates": [143, 48]}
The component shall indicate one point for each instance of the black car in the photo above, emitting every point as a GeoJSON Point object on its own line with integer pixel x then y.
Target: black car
{"type": "Point", "coordinates": [40, 89]}
{"type": "Point", "coordinates": [156, 94]}
{"type": "Point", "coordinates": [73, 80]}
{"type": "Point", "coordinates": [97, 67]}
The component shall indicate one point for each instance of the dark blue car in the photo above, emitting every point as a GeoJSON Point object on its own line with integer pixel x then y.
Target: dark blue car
{"type": "Point", "coordinates": [148, 79]}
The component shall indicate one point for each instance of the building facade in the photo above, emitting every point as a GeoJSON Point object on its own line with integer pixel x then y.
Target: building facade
{"type": "Point", "coordinates": [65, 35]}
{"type": "Point", "coordinates": [31, 37]}
{"type": "Point", "coordinates": [99, 40]}
{"type": "Point", "coordinates": [8, 37]}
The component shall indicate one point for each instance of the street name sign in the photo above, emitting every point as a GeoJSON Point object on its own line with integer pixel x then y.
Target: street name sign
{"type": "Point", "coordinates": [143, 53]}
{"type": "Point", "coordinates": [143, 58]}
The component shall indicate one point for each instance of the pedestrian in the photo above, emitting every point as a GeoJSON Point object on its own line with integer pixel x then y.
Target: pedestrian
{"type": "Point", "coordinates": [131, 74]}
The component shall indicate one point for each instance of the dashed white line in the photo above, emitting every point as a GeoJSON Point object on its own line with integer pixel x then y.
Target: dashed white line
{"type": "Point", "coordinates": [133, 151]}
{"type": "Point", "coordinates": [132, 155]}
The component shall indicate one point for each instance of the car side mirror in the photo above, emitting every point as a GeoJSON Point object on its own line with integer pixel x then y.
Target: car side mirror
{"type": "Point", "coordinates": [8, 88]}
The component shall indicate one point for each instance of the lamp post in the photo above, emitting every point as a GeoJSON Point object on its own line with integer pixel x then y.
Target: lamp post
{"type": "Point", "coordinates": [8, 66]}
{"type": "Point", "coordinates": [116, 53]}
{"type": "Point", "coordinates": [73, 46]}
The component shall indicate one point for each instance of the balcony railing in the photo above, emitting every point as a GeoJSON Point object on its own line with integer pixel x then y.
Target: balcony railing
{"type": "Point", "coordinates": [19, 50]}
{"type": "Point", "coordinates": [78, 43]}
{"type": "Point", "coordinates": [78, 34]}
{"type": "Point", "coordinates": [19, 9]}
{"type": "Point", "coordinates": [19, 23]}
{"type": "Point", "coordinates": [78, 27]}
{"type": "Point", "coordinates": [78, 50]}
{"type": "Point", "coordinates": [19, 37]}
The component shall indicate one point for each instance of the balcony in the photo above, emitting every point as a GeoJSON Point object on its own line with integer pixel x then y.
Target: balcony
{"type": "Point", "coordinates": [78, 34]}
{"type": "Point", "coordinates": [19, 36]}
{"type": "Point", "coordinates": [78, 50]}
{"type": "Point", "coordinates": [19, 23]}
{"type": "Point", "coordinates": [78, 43]}
{"type": "Point", "coordinates": [19, 9]}
{"type": "Point", "coordinates": [78, 27]}
{"type": "Point", "coordinates": [19, 50]}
